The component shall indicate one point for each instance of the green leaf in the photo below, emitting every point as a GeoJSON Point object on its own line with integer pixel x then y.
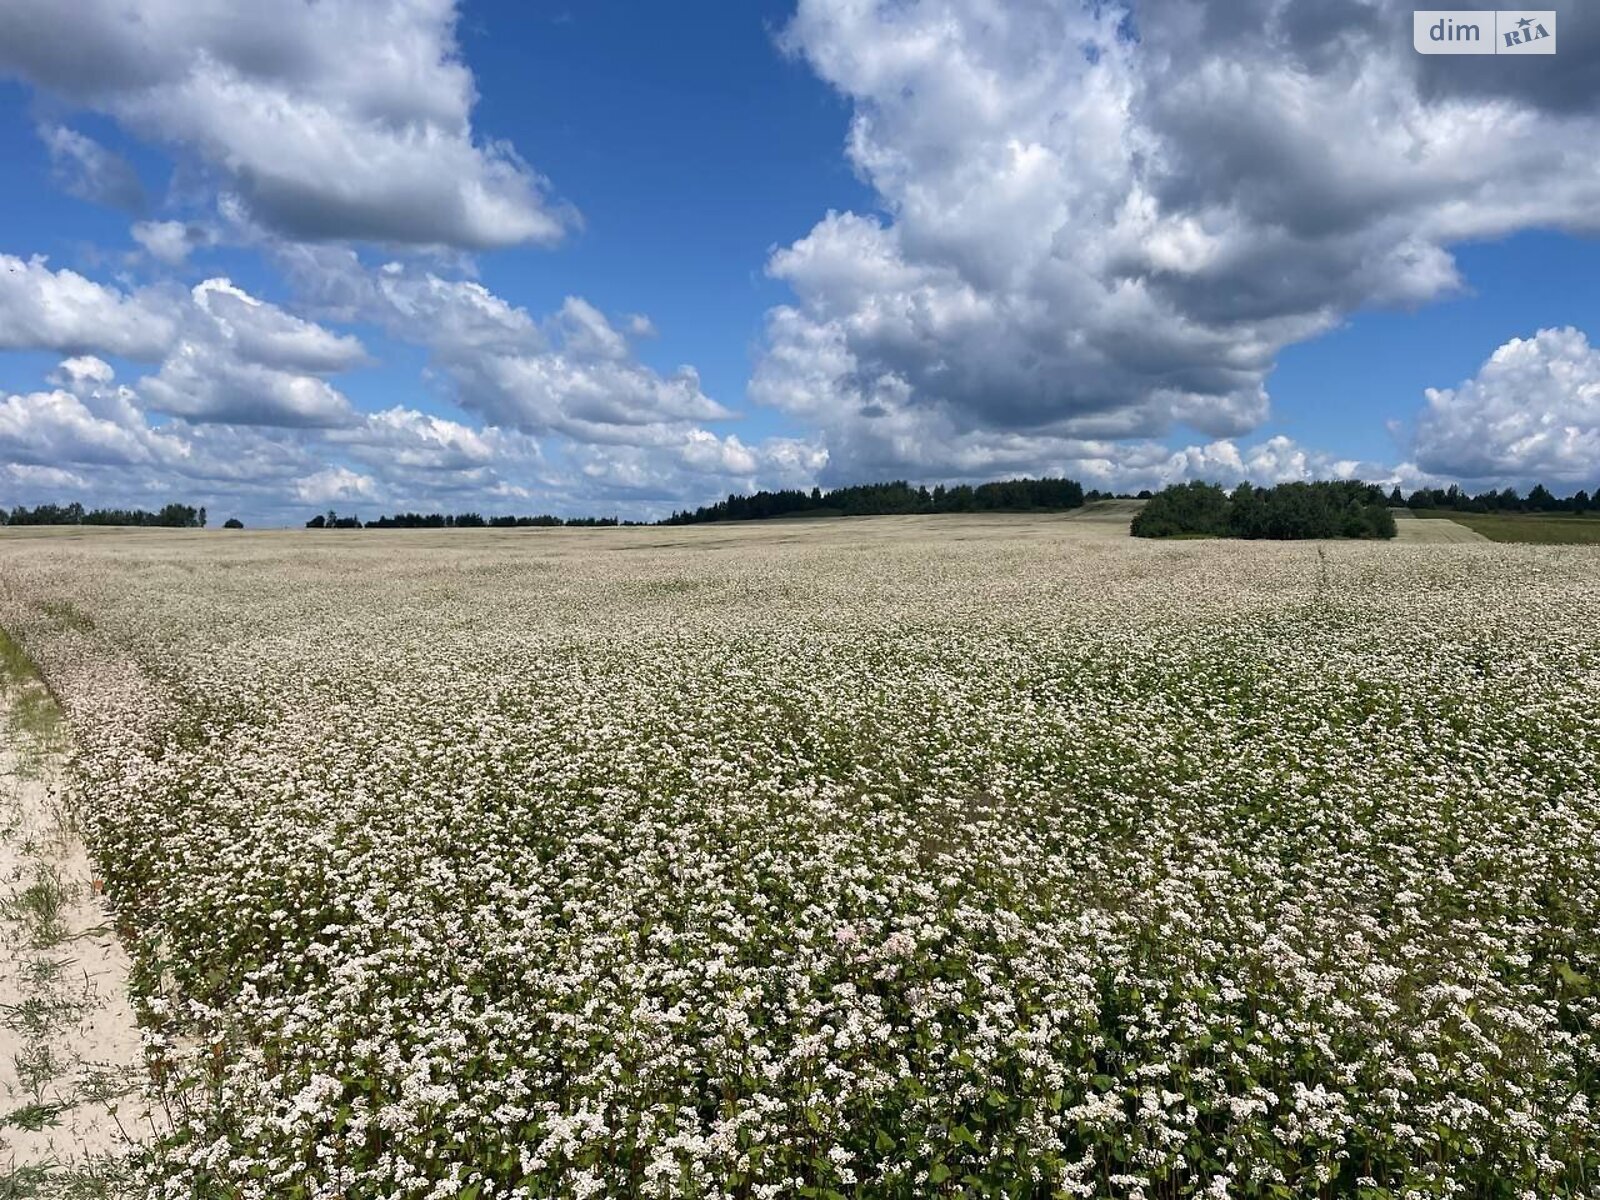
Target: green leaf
{"type": "Point", "coordinates": [1577, 982]}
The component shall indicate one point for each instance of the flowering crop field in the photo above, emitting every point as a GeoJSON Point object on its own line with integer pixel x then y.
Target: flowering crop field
{"type": "Point", "coordinates": [895, 857]}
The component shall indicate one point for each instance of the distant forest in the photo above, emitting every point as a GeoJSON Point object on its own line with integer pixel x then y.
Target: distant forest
{"type": "Point", "coordinates": [1539, 500]}
{"type": "Point", "coordinates": [860, 500]}
{"type": "Point", "coordinates": [171, 516]}
{"type": "Point", "coordinates": [884, 499]}
{"type": "Point", "coordinates": [1289, 510]}
{"type": "Point", "coordinates": [466, 520]}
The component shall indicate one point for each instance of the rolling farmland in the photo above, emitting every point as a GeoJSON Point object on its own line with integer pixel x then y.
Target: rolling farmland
{"type": "Point", "coordinates": [884, 857]}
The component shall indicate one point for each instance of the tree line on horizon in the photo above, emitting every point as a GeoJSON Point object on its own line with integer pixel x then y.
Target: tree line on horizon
{"type": "Point", "coordinates": [885, 499]}
{"type": "Point", "coordinates": [1538, 500]}
{"type": "Point", "coordinates": [868, 499]}
{"type": "Point", "coordinates": [466, 520]}
{"type": "Point", "coordinates": [1279, 511]}
{"type": "Point", "coordinates": [170, 516]}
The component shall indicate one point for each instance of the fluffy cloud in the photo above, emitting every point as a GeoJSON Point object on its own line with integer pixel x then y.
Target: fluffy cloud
{"type": "Point", "coordinates": [86, 169]}
{"type": "Point", "coordinates": [90, 440]}
{"type": "Point", "coordinates": [694, 465]}
{"type": "Point", "coordinates": [1086, 238]}
{"type": "Point", "coordinates": [32, 478]}
{"type": "Point", "coordinates": [568, 405]}
{"type": "Point", "coordinates": [168, 242]}
{"type": "Point", "coordinates": [263, 333]}
{"type": "Point", "coordinates": [225, 355]}
{"type": "Point", "coordinates": [590, 400]}
{"type": "Point", "coordinates": [1275, 460]}
{"type": "Point", "coordinates": [573, 374]}
{"type": "Point", "coordinates": [58, 429]}
{"type": "Point", "coordinates": [1532, 412]}
{"type": "Point", "coordinates": [201, 382]}
{"type": "Point", "coordinates": [1096, 233]}
{"type": "Point", "coordinates": [246, 362]}
{"type": "Point", "coordinates": [83, 373]}
{"type": "Point", "coordinates": [335, 485]}
{"type": "Point", "coordinates": [422, 461]}
{"type": "Point", "coordinates": [340, 119]}
{"type": "Point", "coordinates": [93, 435]}
{"type": "Point", "coordinates": [409, 440]}
{"type": "Point", "coordinates": [41, 309]}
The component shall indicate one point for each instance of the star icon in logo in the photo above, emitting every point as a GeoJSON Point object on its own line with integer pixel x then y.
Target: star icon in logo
{"type": "Point", "coordinates": [1525, 22]}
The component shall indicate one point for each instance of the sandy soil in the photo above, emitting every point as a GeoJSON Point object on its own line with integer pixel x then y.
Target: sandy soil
{"type": "Point", "coordinates": [70, 1060]}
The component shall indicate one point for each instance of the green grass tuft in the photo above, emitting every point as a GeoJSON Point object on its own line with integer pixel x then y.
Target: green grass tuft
{"type": "Point", "coordinates": [33, 709]}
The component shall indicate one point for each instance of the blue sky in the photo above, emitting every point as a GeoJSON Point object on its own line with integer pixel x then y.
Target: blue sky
{"type": "Point", "coordinates": [622, 258]}
{"type": "Point", "coordinates": [694, 147]}
{"type": "Point", "coordinates": [1341, 390]}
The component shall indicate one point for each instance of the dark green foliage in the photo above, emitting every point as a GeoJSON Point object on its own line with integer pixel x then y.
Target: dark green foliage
{"type": "Point", "coordinates": [332, 520]}
{"type": "Point", "coordinates": [171, 516]}
{"type": "Point", "coordinates": [477, 521]}
{"type": "Point", "coordinates": [1184, 508]}
{"type": "Point", "coordinates": [1326, 509]}
{"type": "Point", "coordinates": [879, 499]}
{"type": "Point", "coordinates": [1539, 500]}
{"type": "Point", "coordinates": [233, 523]}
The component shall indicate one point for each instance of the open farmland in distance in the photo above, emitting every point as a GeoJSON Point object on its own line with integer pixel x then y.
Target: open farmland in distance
{"type": "Point", "coordinates": [891, 857]}
{"type": "Point", "coordinates": [1552, 529]}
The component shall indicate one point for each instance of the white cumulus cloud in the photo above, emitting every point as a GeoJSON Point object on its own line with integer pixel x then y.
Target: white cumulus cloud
{"type": "Point", "coordinates": [335, 485]}
{"type": "Point", "coordinates": [338, 119]}
{"type": "Point", "coordinates": [1100, 222]}
{"type": "Point", "coordinates": [42, 309]}
{"type": "Point", "coordinates": [1532, 412]}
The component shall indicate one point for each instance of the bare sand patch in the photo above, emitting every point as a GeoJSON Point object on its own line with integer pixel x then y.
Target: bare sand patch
{"type": "Point", "coordinates": [70, 1057]}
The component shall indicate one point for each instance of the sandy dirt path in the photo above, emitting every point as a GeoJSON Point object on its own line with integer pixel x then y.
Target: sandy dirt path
{"type": "Point", "coordinates": [70, 1058]}
{"type": "Point", "coordinates": [1410, 528]}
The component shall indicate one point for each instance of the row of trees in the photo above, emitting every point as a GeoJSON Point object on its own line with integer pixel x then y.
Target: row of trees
{"type": "Point", "coordinates": [1290, 510]}
{"type": "Point", "coordinates": [1539, 500]}
{"type": "Point", "coordinates": [1010, 495]}
{"type": "Point", "coordinates": [879, 499]}
{"type": "Point", "coordinates": [467, 520]}
{"type": "Point", "coordinates": [171, 516]}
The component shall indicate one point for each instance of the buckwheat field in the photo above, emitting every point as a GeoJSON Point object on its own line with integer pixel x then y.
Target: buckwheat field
{"type": "Point", "coordinates": [894, 857]}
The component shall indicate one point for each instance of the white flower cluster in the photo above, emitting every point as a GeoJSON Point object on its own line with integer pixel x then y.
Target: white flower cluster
{"type": "Point", "coordinates": [884, 858]}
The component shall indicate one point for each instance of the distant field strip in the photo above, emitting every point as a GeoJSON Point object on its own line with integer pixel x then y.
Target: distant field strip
{"type": "Point", "coordinates": [1409, 529]}
{"type": "Point", "coordinates": [1548, 529]}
